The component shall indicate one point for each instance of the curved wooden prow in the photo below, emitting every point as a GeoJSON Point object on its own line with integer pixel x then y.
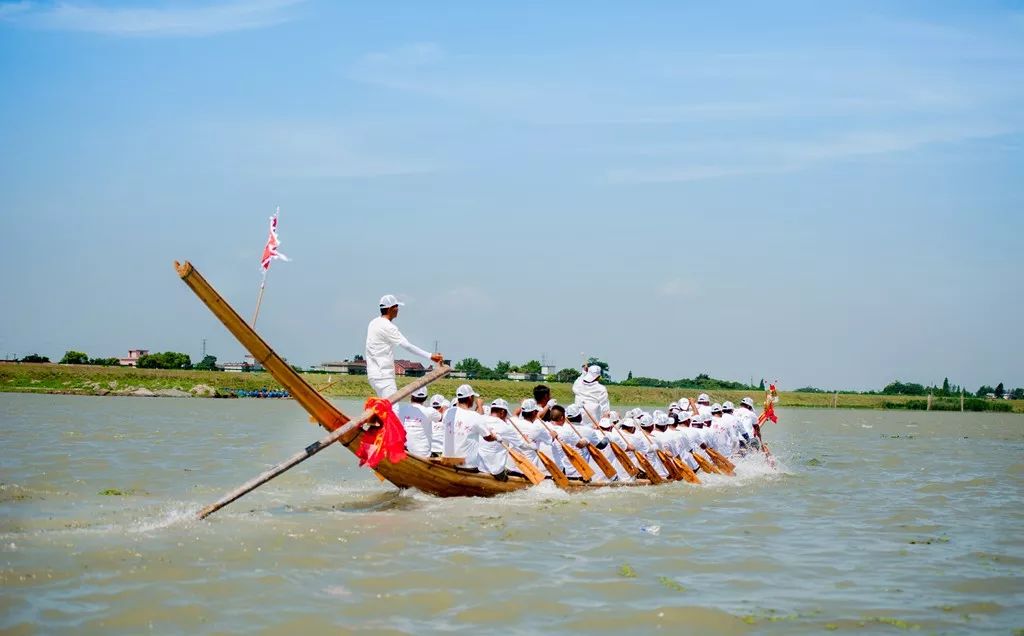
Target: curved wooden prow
{"type": "Point", "coordinates": [316, 404]}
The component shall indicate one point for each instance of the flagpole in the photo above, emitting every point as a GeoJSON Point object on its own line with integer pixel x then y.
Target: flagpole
{"type": "Point", "coordinates": [259, 299]}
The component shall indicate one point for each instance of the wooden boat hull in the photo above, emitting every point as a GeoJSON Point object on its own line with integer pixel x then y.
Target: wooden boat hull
{"type": "Point", "coordinates": [427, 475]}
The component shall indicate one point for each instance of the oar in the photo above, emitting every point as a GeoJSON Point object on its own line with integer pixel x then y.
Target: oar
{"type": "Point", "coordinates": [644, 463]}
{"type": "Point", "coordinates": [580, 464]}
{"type": "Point", "coordinates": [704, 464]}
{"type": "Point", "coordinates": [620, 454]}
{"type": "Point", "coordinates": [318, 445]}
{"type": "Point", "coordinates": [720, 461]}
{"type": "Point", "coordinates": [529, 470]}
{"type": "Point", "coordinates": [688, 473]}
{"type": "Point", "coordinates": [556, 473]}
{"type": "Point", "coordinates": [595, 452]}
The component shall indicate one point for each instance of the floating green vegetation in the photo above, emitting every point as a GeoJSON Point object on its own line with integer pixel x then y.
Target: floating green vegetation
{"type": "Point", "coordinates": [895, 622]}
{"type": "Point", "coordinates": [831, 627]}
{"type": "Point", "coordinates": [671, 584]}
{"type": "Point", "coordinates": [626, 571]}
{"type": "Point", "coordinates": [116, 492]}
{"type": "Point", "coordinates": [814, 461]}
{"type": "Point", "coordinates": [929, 541]}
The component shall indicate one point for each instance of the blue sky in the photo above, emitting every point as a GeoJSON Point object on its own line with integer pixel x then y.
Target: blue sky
{"type": "Point", "coordinates": [830, 194]}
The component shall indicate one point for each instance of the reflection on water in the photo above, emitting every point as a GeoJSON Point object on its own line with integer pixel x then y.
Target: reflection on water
{"type": "Point", "coordinates": [871, 522]}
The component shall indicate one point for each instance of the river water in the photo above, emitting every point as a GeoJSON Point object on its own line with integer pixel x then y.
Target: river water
{"type": "Point", "coordinates": [871, 522]}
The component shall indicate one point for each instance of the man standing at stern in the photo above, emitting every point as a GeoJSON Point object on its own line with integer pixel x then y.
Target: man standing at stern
{"type": "Point", "coordinates": [590, 393]}
{"type": "Point", "coordinates": [381, 337]}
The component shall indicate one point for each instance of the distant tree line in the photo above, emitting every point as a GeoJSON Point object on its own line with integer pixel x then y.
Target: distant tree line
{"type": "Point", "coordinates": [79, 357]}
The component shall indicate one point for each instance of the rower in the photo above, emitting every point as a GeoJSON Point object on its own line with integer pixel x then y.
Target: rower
{"type": "Point", "coordinates": [542, 396]}
{"type": "Point", "coordinates": [440, 405]}
{"type": "Point", "coordinates": [537, 435]}
{"type": "Point", "coordinates": [381, 337]}
{"type": "Point", "coordinates": [590, 393]}
{"type": "Point", "coordinates": [635, 441]}
{"type": "Point", "coordinates": [567, 435]}
{"type": "Point", "coordinates": [464, 426]}
{"type": "Point", "coordinates": [748, 422]}
{"type": "Point", "coordinates": [687, 439]}
{"type": "Point", "coordinates": [703, 404]}
{"type": "Point", "coordinates": [418, 419]}
{"type": "Point", "coordinates": [492, 452]}
{"type": "Point", "coordinates": [721, 435]}
{"type": "Point", "coordinates": [647, 424]}
{"type": "Point", "coordinates": [732, 423]}
{"type": "Point", "coordinates": [574, 414]}
{"type": "Point", "coordinates": [607, 430]}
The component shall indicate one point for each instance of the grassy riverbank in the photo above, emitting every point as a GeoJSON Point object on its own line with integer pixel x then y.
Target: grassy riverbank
{"type": "Point", "coordinates": [91, 380]}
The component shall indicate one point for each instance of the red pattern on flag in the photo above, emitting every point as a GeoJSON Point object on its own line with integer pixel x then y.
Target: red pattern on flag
{"type": "Point", "coordinates": [383, 442]}
{"type": "Point", "coordinates": [270, 249]}
{"type": "Point", "coordinates": [769, 406]}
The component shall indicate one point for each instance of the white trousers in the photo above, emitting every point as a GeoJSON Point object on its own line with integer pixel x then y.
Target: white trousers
{"type": "Point", "coordinates": [384, 387]}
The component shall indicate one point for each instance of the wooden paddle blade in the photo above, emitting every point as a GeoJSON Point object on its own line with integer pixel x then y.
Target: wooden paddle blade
{"type": "Point", "coordinates": [529, 470]}
{"type": "Point", "coordinates": [577, 461]}
{"type": "Point", "coordinates": [704, 464]}
{"type": "Point", "coordinates": [556, 473]}
{"type": "Point", "coordinates": [648, 468]}
{"type": "Point", "coordinates": [688, 474]}
{"type": "Point", "coordinates": [602, 461]}
{"type": "Point", "coordinates": [721, 462]}
{"type": "Point", "coordinates": [624, 460]}
{"type": "Point", "coordinates": [670, 466]}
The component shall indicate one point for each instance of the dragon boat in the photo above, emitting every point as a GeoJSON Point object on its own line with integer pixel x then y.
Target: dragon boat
{"type": "Point", "coordinates": [436, 476]}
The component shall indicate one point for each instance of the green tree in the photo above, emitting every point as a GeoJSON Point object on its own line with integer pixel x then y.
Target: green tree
{"type": "Point", "coordinates": [165, 360]}
{"type": "Point", "coordinates": [1017, 394]}
{"type": "Point", "coordinates": [565, 375]}
{"type": "Point", "coordinates": [74, 357]}
{"type": "Point", "coordinates": [105, 362]}
{"type": "Point", "coordinates": [502, 368]}
{"type": "Point", "coordinates": [904, 388]}
{"type": "Point", "coordinates": [629, 376]}
{"type": "Point", "coordinates": [533, 366]}
{"type": "Point", "coordinates": [945, 386]}
{"type": "Point", "coordinates": [1000, 391]}
{"type": "Point", "coordinates": [208, 363]}
{"type": "Point", "coordinates": [984, 390]}
{"type": "Point", "coordinates": [473, 368]}
{"type": "Point", "coordinates": [35, 357]}
{"type": "Point", "coordinates": [761, 385]}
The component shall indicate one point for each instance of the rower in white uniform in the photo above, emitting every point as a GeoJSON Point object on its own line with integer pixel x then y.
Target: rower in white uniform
{"type": "Point", "coordinates": [418, 420]}
{"type": "Point", "coordinates": [590, 393]}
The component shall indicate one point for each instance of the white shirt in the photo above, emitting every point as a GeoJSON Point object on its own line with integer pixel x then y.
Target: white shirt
{"type": "Point", "coordinates": [418, 421]}
{"type": "Point", "coordinates": [381, 337]}
{"type": "Point", "coordinates": [537, 439]}
{"type": "Point", "coordinates": [437, 433]}
{"type": "Point", "coordinates": [464, 430]}
{"type": "Point", "coordinates": [592, 396]}
{"type": "Point", "coordinates": [493, 456]}
{"type": "Point", "coordinates": [567, 435]}
{"type": "Point", "coordinates": [747, 420]}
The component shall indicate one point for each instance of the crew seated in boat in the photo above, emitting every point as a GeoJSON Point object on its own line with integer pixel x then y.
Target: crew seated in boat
{"type": "Point", "coordinates": [493, 450]}
{"type": "Point", "coordinates": [748, 422]}
{"type": "Point", "coordinates": [574, 415]}
{"type": "Point", "coordinates": [464, 427]}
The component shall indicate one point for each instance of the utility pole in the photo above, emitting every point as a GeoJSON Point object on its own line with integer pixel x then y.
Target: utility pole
{"type": "Point", "coordinates": [204, 347]}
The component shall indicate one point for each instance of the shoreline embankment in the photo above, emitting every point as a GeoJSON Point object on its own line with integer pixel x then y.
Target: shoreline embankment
{"type": "Point", "coordinates": [131, 382]}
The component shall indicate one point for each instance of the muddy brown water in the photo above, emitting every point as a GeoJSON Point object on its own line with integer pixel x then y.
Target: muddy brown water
{"type": "Point", "coordinates": [872, 522]}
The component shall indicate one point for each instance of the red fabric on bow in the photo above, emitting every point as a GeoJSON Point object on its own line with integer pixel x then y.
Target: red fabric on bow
{"type": "Point", "coordinates": [769, 406]}
{"type": "Point", "coordinates": [383, 442]}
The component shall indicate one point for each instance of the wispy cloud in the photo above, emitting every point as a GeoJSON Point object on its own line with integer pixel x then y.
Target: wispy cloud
{"type": "Point", "coordinates": [164, 21]}
{"type": "Point", "coordinates": [773, 157]}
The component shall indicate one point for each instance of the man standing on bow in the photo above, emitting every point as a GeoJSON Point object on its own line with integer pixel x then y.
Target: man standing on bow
{"type": "Point", "coordinates": [590, 393]}
{"type": "Point", "coordinates": [381, 337]}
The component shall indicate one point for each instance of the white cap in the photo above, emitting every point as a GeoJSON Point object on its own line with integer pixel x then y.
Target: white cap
{"type": "Point", "coordinates": [684, 404]}
{"type": "Point", "coordinates": [446, 403]}
{"type": "Point", "coordinates": [465, 391]}
{"type": "Point", "coordinates": [605, 422]}
{"type": "Point", "coordinates": [683, 416]}
{"type": "Point", "coordinates": [657, 414]}
{"type": "Point", "coordinates": [646, 420]}
{"type": "Point", "coordinates": [593, 373]}
{"type": "Point", "coordinates": [499, 404]}
{"type": "Point", "coordinates": [716, 408]}
{"type": "Point", "coordinates": [420, 392]}
{"type": "Point", "coordinates": [662, 420]}
{"type": "Point", "coordinates": [387, 301]}
{"type": "Point", "coordinates": [529, 405]}
{"type": "Point", "coordinates": [673, 407]}
{"type": "Point", "coordinates": [613, 416]}
{"type": "Point", "coordinates": [627, 423]}
{"type": "Point", "coordinates": [573, 410]}
{"type": "Point", "coordinates": [749, 402]}
{"type": "Point", "coordinates": [437, 400]}
{"type": "Point", "coordinates": [728, 406]}
{"type": "Point", "coordinates": [703, 398]}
